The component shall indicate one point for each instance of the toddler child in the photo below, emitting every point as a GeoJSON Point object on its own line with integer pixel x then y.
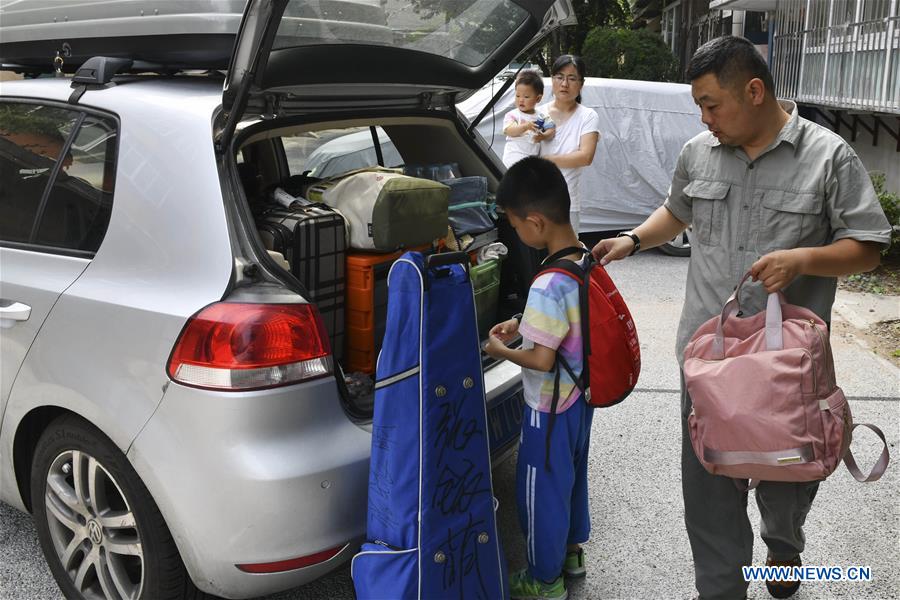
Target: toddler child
{"type": "Point", "coordinates": [522, 123]}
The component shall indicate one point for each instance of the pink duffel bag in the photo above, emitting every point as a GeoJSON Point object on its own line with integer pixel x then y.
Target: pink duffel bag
{"type": "Point", "coordinates": [766, 406]}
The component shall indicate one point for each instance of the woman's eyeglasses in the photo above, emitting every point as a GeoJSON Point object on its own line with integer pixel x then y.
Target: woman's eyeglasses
{"type": "Point", "coordinates": [559, 78]}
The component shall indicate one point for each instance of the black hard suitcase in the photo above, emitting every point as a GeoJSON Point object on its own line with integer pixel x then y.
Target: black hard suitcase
{"type": "Point", "coordinates": [522, 264]}
{"type": "Point", "coordinates": [313, 239]}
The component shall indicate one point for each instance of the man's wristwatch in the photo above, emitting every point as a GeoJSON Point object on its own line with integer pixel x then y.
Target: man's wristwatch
{"type": "Point", "coordinates": [634, 238]}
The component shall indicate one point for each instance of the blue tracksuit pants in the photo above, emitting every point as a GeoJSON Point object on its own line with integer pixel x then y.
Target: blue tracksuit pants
{"type": "Point", "coordinates": [553, 504]}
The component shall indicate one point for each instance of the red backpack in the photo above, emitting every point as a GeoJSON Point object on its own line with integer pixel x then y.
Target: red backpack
{"type": "Point", "coordinates": [612, 354]}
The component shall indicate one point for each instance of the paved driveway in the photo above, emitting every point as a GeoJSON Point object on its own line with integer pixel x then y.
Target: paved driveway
{"type": "Point", "coordinates": [639, 548]}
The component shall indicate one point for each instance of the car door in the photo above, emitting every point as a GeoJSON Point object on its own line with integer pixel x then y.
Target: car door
{"type": "Point", "coordinates": [29, 286]}
{"type": "Point", "coordinates": [54, 206]}
{"type": "Point", "coordinates": [291, 52]}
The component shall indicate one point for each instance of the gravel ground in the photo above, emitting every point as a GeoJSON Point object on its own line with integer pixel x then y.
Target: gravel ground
{"type": "Point", "coordinates": [883, 280]}
{"type": "Point", "coordinates": [884, 337]}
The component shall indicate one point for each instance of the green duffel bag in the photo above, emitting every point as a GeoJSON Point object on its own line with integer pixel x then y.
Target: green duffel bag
{"type": "Point", "coordinates": [386, 210]}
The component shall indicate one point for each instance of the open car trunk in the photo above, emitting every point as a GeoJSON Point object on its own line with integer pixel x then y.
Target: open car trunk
{"type": "Point", "coordinates": [318, 72]}
{"type": "Point", "coordinates": [289, 155]}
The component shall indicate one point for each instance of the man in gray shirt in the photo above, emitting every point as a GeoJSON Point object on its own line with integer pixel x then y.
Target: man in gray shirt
{"type": "Point", "coordinates": [770, 192]}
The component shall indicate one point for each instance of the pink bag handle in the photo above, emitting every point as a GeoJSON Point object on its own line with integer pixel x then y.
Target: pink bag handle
{"type": "Point", "coordinates": [774, 339]}
{"type": "Point", "coordinates": [880, 465]}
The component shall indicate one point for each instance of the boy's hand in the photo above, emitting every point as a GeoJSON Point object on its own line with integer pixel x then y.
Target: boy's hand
{"type": "Point", "coordinates": [494, 347]}
{"type": "Point", "coordinates": [506, 330]}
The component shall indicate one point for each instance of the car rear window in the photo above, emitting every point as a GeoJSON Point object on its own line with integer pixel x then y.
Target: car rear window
{"type": "Point", "coordinates": [80, 201]}
{"type": "Point", "coordinates": [331, 152]}
{"type": "Point", "coordinates": [57, 169]}
{"type": "Point", "coordinates": [32, 138]}
{"type": "Point", "coordinates": [467, 31]}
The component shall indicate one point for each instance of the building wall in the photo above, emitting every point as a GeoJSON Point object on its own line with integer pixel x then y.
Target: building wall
{"type": "Point", "coordinates": [689, 23]}
{"type": "Point", "coordinates": [883, 157]}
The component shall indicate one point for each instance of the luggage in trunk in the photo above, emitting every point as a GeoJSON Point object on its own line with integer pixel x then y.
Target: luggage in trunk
{"type": "Point", "coordinates": [486, 287]}
{"type": "Point", "coordinates": [385, 209]}
{"type": "Point", "coordinates": [468, 208]}
{"type": "Point", "coordinates": [367, 297]}
{"type": "Point", "coordinates": [522, 264]}
{"type": "Point", "coordinates": [313, 240]}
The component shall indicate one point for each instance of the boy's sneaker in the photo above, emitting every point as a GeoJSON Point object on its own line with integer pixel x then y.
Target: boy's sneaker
{"type": "Point", "coordinates": [523, 586]}
{"type": "Point", "coordinates": [574, 565]}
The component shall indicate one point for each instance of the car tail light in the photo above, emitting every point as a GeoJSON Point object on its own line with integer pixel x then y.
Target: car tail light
{"type": "Point", "coordinates": [231, 346]}
{"type": "Point", "coordinates": [294, 563]}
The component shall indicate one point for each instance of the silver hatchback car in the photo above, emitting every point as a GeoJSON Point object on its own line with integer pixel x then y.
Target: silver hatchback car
{"type": "Point", "coordinates": [173, 415]}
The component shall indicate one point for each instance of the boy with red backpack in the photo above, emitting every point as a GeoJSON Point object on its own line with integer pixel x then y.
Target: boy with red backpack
{"type": "Point", "coordinates": [551, 475]}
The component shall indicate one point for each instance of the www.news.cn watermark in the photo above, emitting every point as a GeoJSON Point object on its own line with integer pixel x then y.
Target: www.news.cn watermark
{"type": "Point", "coordinates": [807, 573]}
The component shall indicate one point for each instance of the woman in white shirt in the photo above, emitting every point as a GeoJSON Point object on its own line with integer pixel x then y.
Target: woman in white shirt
{"type": "Point", "coordinates": [572, 143]}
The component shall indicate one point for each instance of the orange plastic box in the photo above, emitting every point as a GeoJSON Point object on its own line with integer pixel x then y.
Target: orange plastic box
{"type": "Point", "coordinates": [366, 316]}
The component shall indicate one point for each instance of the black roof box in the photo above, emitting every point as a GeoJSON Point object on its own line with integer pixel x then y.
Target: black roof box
{"type": "Point", "coordinates": [177, 35]}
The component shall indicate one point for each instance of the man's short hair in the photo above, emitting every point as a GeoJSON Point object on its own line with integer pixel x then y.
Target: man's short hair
{"type": "Point", "coordinates": [535, 185]}
{"type": "Point", "coordinates": [532, 78]}
{"type": "Point", "coordinates": [733, 60]}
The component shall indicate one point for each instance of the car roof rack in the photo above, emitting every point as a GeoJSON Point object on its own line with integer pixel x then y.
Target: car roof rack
{"type": "Point", "coordinates": [97, 73]}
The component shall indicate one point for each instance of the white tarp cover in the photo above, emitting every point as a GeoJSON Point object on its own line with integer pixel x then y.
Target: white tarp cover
{"type": "Point", "coordinates": [643, 126]}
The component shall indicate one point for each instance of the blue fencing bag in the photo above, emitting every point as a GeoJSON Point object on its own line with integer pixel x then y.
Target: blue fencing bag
{"type": "Point", "coordinates": [431, 529]}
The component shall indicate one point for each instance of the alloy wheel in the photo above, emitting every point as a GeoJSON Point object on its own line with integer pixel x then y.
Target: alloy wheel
{"type": "Point", "coordinates": [93, 528]}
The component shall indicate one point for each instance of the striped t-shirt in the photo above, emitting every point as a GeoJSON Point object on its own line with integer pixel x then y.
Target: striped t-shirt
{"type": "Point", "coordinates": [552, 319]}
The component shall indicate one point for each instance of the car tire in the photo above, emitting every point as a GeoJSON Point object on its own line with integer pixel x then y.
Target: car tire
{"type": "Point", "coordinates": [93, 512]}
{"type": "Point", "coordinates": [680, 245]}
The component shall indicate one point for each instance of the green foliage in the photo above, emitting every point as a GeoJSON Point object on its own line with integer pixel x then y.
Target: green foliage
{"type": "Point", "coordinates": [449, 8]}
{"type": "Point", "coordinates": [629, 54]}
{"type": "Point", "coordinates": [481, 36]}
{"type": "Point", "coordinates": [20, 118]}
{"type": "Point", "coordinates": [593, 14]}
{"type": "Point", "coordinates": [890, 204]}
{"type": "Point", "coordinates": [570, 39]}
{"type": "Point", "coordinates": [867, 282]}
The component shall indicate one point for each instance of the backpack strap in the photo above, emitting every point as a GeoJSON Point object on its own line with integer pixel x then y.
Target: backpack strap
{"type": "Point", "coordinates": [564, 252]}
{"type": "Point", "coordinates": [578, 380]}
{"type": "Point", "coordinates": [551, 420]}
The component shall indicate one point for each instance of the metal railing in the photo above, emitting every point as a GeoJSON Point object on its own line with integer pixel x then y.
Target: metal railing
{"type": "Point", "coordinates": [826, 54]}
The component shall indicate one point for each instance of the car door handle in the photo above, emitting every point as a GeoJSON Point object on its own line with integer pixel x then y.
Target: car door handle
{"type": "Point", "coordinates": [15, 312]}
